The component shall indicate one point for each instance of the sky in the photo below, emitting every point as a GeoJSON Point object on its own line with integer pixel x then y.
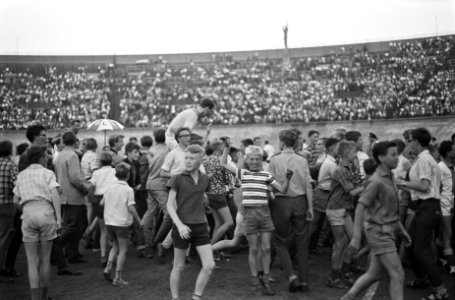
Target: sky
{"type": "Point", "coordinates": [90, 27]}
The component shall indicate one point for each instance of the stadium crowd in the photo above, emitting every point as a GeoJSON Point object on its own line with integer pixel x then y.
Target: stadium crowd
{"type": "Point", "coordinates": [412, 79]}
{"type": "Point", "coordinates": [388, 200]}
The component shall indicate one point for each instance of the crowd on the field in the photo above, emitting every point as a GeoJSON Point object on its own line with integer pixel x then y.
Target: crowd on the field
{"type": "Point", "coordinates": [313, 192]}
{"type": "Point", "coordinates": [411, 79]}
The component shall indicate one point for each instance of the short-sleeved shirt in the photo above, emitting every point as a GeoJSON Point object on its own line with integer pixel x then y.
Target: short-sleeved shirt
{"type": "Point", "coordinates": [254, 187]}
{"type": "Point", "coordinates": [190, 196]}
{"type": "Point", "coordinates": [187, 118]}
{"type": "Point", "coordinates": [340, 187]}
{"type": "Point", "coordinates": [326, 172]}
{"type": "Point", "coordinates": [117, 200]}
{"type": "Point", "coordinates": [102, 179]}
{"type": "Point", "coordinates": [35, 183]}
{"type": "Point", "coordinates": [89, 163]}
{"type": "Point", "coordinates": [427, 168]}
{"type": "Point", "coordinates": [154, 181]}
{"type": "Point", "coordinates": [446, 182]}
{"type": "Point", "coordinates": [174, 163]}
{"type": "Point", "coordinates": [380, 198]}
{"type": "Point", "coordinates": [289, 160]}
{"type": "Point", "coordinates": [219, 176]}
{"type": "Point", "coordinates": [402, 170]}
{"type": "Point", "coordinates": [8, 175]}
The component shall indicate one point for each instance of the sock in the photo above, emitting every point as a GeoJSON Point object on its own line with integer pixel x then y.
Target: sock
{"type": "Point", "coordinates": [345, 267]}
{"type": "Point", "coordinates": [334, 274]}
{"type": "Point", "coordinates": [44, 293]}
{"type": "Point", "coordinates": [35, 293]}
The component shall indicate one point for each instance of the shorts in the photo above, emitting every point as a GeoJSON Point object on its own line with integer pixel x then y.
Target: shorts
{"type": "Point", "coordinates": [336, 217]}
{"type": "Point", "coordinates": [118, 232]}
{"type": "Point", "coordinates": [98, 209]}
{"type": "Point", "coordinates": [381, 238]}
{"type": "Point", "coordinates": [217, 201]}
{"type": "Point", "coordinates": [446, 207]}
{"type": "Point", "coordinates": [199, 236]}
{"type": "Point", "coordinates": [240, 224]}
{"type": "Point", "coordinates": [257, 219]}
{"type": "Point", "coordinates": [38, 221]}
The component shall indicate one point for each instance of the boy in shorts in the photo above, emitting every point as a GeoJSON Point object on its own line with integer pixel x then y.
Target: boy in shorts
{"type": "Point", "coordinates": [119, 215]}
{"type": "Point", "coordinates": [257, 216]}
{"type": "Point", "coordinates": [378, 214]}
{"type": "Point", "coordinates": [186, 206]}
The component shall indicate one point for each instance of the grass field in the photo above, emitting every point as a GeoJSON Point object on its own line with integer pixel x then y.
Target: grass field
{"type": "Point", "coordinates": [150, 280]}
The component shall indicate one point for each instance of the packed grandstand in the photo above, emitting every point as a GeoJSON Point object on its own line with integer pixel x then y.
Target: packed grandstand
{"type": "Point", "coordinates": [412, 78]}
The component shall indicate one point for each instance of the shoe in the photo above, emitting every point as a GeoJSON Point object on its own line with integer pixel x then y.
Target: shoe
{"type": "Point", "coordinates": [68, 272]}
{"type": "Point", "coordinates": [418, 284]}
{"type": "Point", "coordinates": [337, 283]}
{"type": "Point", "coordinates": [108, 277]}
{"type": "Point", "coordinates": [119, 282]}
{"type": "Point", "coordinates": [143, 253]}
{"type": "Point", "coordinates": [160, 251]}
{"type": "Point", "coordinates": [304, 287]}
{"type": "Point", "coordinates": [76, 260]}
{"type": "Point", "coordinates": [268, 289]}
{"type": "Point", "coordinates": [96, 250]}
{"type": "Point", "coordinates": [216, 256]}
{"type": "Point", "coordinates": [294, 285]}
{"type": "Point", "coordinates": [437, 296]}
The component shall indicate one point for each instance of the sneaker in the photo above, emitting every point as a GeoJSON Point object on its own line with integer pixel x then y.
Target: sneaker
{"type": "Point", "coordinates": [268, 289]}
{"type": "Point", "coordinates": [337, 283]}
{"type": "Point", "coordinates": [216, 256]}
{"type": "Point", "coordinates": [119, 282]}
{"type": "Point", "coordinates": [437, 296]}
{"type": "Point", "coordinates": [294, 286]}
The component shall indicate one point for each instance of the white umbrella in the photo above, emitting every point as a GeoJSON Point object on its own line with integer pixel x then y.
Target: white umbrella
{"type": "Point", "coordinates": [105, 125]}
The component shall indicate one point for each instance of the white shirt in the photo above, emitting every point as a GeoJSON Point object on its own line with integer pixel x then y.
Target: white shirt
{"type": "Point", "coordinates": [89, 163]}
{"type": "Point", "coordinates": [403, 167]}
{"type": "Point", "coordinates": [174, 163]}
{"type": "Point", "coordinates": [362, 156]}
{"type": "Point", "coordinates": [102, 179]}
{"type": "Point", "coordinates": [446, 179]}
{"type": "Point", "coordinates": [117, 200]}
{"type": "Point", "coordinates": [427, 168]}
{"type": "Point", "coordinates": [270, 150]}
{"type": "Point", "coordinates": [187, 118]}
{"type": "Point", "coordinates": [325, 173]}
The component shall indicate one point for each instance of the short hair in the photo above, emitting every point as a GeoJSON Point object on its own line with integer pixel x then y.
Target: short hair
{"type": "Point", "coordinates": [266, 142]}
{"type": "Point", "coordinates": [146, 141]}
{"type": "Point", "coordinates": [345, 146]}
{"type": "Point", "coordinates": [21, 148]}
{"type": "Point", "coordinates": [422, 136]}
{"type": "Point", "coordinates": [35, 153]}
{"type": "Point", "coordinates": [352, 136]}
{"type": "Point", "coordinates": [33, 131]}
{"type": "Point", "coordinates": [311, 132]}
{"type": "Point", "coordinates": [91, 144]}
{"type": "Point", "coordinates": [6, 148]}
{"type": "Point", "coordinates": [370, 166]}
{"type": "Point", "coordinates": [122, 171]}
{"type": "Point", "coordinates": [215, 144]}
{"type": "Point", "coordinates": [105, 158]}
{"type": "Point", "coordinates": [254, 150]}
{"type": "Point", "coordinates": [177, 133]}
{"type": "Point", "coordinates": [69, 138]}
{"type": "Point", "coordinates": [113, 139]}
{"type": "Point", "coordinates": [247, 142]}
{"type": "Point", "coordinates": [288, 137]}
{"type": "Point", "coordinates": [133, 138]}
{"type": "Point", "coordinates": [380, 149]}
{"type": "Point", "coordinates": [160, 135]}
{"type": "Point", "coordinates": [330, 143]}
{"type": "Point", "coordinates": [131, 146]}
{"type": "Point", "coordinates": [400, 145]}
{"type": "Point", "coordinates": [207, 103]}
{"type": "Point", "coordinates": [407, 134]}
{"type": "Point", "coordinates": [196, 149]}
{"type": "Point", "coordinates": [445, 147]}
{"type": "Point", "coordinates": [256, 138]}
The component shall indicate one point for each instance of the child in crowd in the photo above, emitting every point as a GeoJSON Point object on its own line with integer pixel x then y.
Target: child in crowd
{"type": "Point", "coordinates": [186, 206]}
{"type": "Point", "coordinates": [119, 214]}
{"type": "Point", "coordinates": [101, 180]}
{"type": "Point", "coordinates": [257, 216]}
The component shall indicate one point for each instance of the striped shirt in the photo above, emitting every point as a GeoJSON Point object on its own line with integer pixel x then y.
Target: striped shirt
{"type": "Point", "coordinates": [254, 187]}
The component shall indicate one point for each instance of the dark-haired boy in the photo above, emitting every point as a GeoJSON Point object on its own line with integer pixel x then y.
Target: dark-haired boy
{"type": "Point", "coordinates": [186, 206]}
{"type": "Point", "coordinates": [378, 212]}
